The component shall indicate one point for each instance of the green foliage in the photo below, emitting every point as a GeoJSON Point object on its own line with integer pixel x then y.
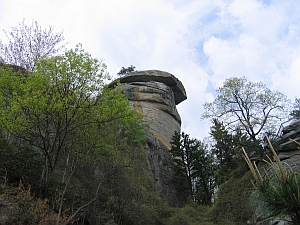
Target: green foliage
{"type": "Point", "coordinates": [232, 204]}
{"type": "Point", "coordinates": [193, 161]}
{"type": "Point", "coordinates": [127, 70]}
{"type": "Point", "coordinates": [226, 148]}
{"type": "Point", "coordinates": [84, 132]}
{"type": "Point", "coordinates": [64, 105]}
{"type": "Point", "coordinates": [128, 193]}
{"type": "Point", "coordinates": [191, 214]}
{"type": "Point", "coordinates": [20, 163]}
{"type": "Point", "coordinates": [278, 189]}
{"type": "Point", "coordinates": [249, 107]}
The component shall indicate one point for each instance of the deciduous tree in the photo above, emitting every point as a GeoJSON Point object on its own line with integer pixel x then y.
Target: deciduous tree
{"type": "Point", "coordinates": [28, 44]}
{"type": "Point", "coordinates": [63, 106]}
{"type": "Point", "coordinates": [64, 110]}
{"type": "Point", "coordinates": [247, 106]}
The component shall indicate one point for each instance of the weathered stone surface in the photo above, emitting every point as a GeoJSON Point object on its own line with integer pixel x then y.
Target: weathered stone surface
{"type": "Point", "coordinates": [289, 154]}
{"type": "Point", "coordinates": [158, 76]}
{"type": "Point", "coordinates": [161, 166]}
{"type": "Point", "coordinates": [156, 102]}
{"type": "Point", "coordinates": [155, 94]}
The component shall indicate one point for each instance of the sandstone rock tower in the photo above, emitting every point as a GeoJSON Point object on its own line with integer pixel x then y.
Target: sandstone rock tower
{"type": "Point", "coordinates": [155, 94]}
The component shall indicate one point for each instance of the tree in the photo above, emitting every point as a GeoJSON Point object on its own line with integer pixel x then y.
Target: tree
{"type": "Point", "coordinates": [203, 174]}
{"type": "Point", "coordinates": [181, 151]}
{"type": "Point", "coordinates": [226, 148]}
{"type": "Point", "coordinates": [295, 113]}
{"type": "Point", "coordinates": [226, 151]}
{"type": "Point", "coordinates": [247, 106]}
{"type": "Point", "coordinates": [28, 44]}
{"type": "Point", "coordinates": [64, 110]}
{"type": "Point", "coordinates": [127, 70]}
{"type": "Point", "coordinates": [194, 162]}
{"type": "Point", "coordinates": [64, 98]}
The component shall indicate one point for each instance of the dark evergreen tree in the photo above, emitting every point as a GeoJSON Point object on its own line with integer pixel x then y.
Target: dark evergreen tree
{"type": "Point", "coordinates": [193, 160]}
{"type": "Point", "coordinates": [295, 114]}
{"type": "Point", "coordinates": [227, 150]}
{"type": "Point", "coordinates": [203, 173]}
{"type": "Point", "coordinates": [182, 153]}
{"type": "Point", "coordinates": [127, 70]}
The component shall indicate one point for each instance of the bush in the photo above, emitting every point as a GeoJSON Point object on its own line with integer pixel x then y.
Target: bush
{"type": "Point", "coordinates": [233, 205]}
{"type": "Point", "coordinates": [19, 206]}
{"type": "Point", "coordinates": [191, 214]}
{"type": "Point", "coordinates": [20, 163]}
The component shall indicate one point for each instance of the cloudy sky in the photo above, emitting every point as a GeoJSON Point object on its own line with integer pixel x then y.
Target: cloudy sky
{"type": "Point", "coordinates": [201, 42]}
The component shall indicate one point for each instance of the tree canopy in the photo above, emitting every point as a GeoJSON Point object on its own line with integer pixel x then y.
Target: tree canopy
{"type": "Point", "coordinates": [81, 130]}
{"type": "Point", "coordinates": [248, 106]}
{"type": "Point", "coordinates": [26, 45]}
{"type": "Point", "coordinates": [127, 70]}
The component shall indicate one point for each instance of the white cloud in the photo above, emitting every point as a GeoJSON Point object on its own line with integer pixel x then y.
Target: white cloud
{"type": "Point", "coordinates": [263, 43]}
{"type": "Point", "coordinates": [257, 19]}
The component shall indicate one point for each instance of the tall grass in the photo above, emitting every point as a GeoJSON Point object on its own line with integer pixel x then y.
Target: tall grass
{"type": "Point", "coordinates": [279, 187]}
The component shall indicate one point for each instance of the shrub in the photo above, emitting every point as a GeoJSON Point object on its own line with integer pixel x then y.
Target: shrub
{"type": "Point", "coordinates": [20, 163]}
{"type": "Point", "coordinates": [277, 189]}
{"type": "Point", "coordinates": [232, 205]}
{"type": "Point", "coordinates": [19, 206]}
{"type": "Point", "coordinates": [191, 214]}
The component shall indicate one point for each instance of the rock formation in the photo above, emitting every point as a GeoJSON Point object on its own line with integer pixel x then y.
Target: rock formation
{"type": "Point", "coordinates": [288, 150]}
{"type": "Point", "coordinates": [155, 94]}
{"type": "Point", "coordinates": [289, 154]}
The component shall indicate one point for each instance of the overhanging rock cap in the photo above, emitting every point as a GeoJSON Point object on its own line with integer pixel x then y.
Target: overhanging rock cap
{"type": "Point", "coordinates": [158, 76]}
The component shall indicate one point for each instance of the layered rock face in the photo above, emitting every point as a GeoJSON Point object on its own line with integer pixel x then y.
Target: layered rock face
{"type": "Point", "coordinates": [288, 149]}
{"type": "Point", "coordinates": [289, 154]}
{"type": "Point", "coordinates": [155, 94]}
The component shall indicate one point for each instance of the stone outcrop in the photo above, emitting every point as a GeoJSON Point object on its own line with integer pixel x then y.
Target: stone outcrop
{"type": "Point", "coordinates": [288, 149]}
{"type": "Point", "coordinates": [289, 153]}
{"type": "Point", "coordinates": [155, 94]}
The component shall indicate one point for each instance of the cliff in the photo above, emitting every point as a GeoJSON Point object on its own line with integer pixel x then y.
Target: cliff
{"type": "Point", "coordinates": [155, 94]}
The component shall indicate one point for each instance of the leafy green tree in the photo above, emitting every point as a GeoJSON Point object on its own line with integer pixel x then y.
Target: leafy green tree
{"type": "Point", "coordinates": [249, 107]}
{"type": "Point", "coordinates": [64, 98]}
{"type": "Point", "coordinates": [203, 174]}
{"type": "Point", "coordinates": [28, 44]}
{"type": "Point", "coordinates": [81, 128]}
{"type": "Point", "coordinates": [181, 150]}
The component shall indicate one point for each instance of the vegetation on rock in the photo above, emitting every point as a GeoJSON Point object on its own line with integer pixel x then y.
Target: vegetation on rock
{"type": "Point", "coordinates": [127, 70]}
{"type": "Point", "coordinates": [278, 189]}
